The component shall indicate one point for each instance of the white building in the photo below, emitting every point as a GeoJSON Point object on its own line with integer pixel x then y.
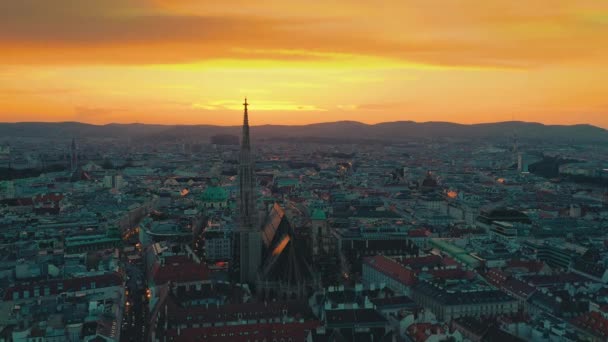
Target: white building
{"type": "Point", "coordinates": [113, 182]}
{"type": "Point", "coordinates": [218, 244]}
{"type": "Point", "coordinates": [382, 271]}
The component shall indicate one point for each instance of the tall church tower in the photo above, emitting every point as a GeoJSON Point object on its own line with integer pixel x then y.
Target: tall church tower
{"type": "Point", "coordinates": [246, 177]}
{"type": "Point", "coordinates": [248, 241]}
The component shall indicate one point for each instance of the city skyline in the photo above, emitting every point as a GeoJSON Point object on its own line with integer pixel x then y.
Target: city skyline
{"type": "Point", "coordinates": [328, 171]}
{"type": "Point", "coordinates": [304, 124]}
{"type": "Point", "coordinates": [187, 62]}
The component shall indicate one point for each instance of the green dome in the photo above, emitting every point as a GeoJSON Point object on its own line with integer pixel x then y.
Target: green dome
{"type": "Point", "coordinates": [318, 214]}
{"type": "Point", "coordinates": [215, 194]}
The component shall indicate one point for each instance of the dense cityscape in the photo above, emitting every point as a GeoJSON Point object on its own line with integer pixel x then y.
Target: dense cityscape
{"type": "Point", "coordinates": [251, 239]}
{"type": "Point", "coordinates": [289, 171]}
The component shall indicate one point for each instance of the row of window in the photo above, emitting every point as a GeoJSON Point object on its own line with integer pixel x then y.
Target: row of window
{"type": "Point", "coordinates": [46, 291]}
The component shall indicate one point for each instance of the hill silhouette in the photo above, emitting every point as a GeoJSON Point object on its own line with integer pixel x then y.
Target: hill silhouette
{"type": "Point", "coordinates": [341, 130]}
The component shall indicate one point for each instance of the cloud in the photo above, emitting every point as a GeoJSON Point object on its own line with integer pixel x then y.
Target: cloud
{"type": "Point", "coordinates": [503, 34]}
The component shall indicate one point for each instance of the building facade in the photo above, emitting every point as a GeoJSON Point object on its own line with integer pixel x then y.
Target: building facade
{"type": "Point", "coordinates": [448, 303]}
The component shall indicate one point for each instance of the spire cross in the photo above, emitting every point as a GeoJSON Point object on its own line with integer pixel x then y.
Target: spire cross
{"type": "Point", "coordinates": [245, 115]}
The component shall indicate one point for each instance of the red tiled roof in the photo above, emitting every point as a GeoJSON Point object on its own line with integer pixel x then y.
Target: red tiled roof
{"type": "Point", "coordinates": [496, 277]}
{"type": "Point", "coordinates": [518, 287]}
{"type": "Point", "coordinates": [447, 261]}
{"type": "Point", "coordinates": [392, 269]}
{"type": "Point", "coordinates": [64, 285]}
{"type": "Point", "coordinates": [420, 332]}
{"type": "Point", "coordinates": [180, 269]}
{"type": "Point", "coordinates": [296, 331]}
{"type": "Point", "coordinates": [236, 312]}
{"type": "Point", "coordinates": [506, 282]}
{"type": "Point", "coordinates": [593, 322]}
{"type": "Point", "coordinates": [47, 198]}
{"type": "Point", "coordinates": [417, 233]}
{"type": "Point", "coordinates": [183, 259]}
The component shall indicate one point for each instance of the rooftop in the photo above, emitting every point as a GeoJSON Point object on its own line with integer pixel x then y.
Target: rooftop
{"type": "Point", "coordinates": [392, 269]}
{"type": "Point", "coordinates": [318, 214]}
{"type": "Point", "coordinates": [215, 194]}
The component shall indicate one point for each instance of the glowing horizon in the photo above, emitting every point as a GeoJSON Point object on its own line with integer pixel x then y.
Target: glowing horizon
{"type": "Point", "coordinates": [192, 62]}
{"type": "Point", "coordinates": [296, 125]}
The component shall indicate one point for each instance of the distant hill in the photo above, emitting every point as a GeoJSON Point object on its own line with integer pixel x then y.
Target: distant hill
{"type": "Point", "coordinates": [77, 129]}
{"type": "Point", "coordinates": [342, 130]}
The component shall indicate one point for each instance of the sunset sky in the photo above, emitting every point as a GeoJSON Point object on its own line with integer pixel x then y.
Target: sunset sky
{"type": "Point", "coordinates": [193, 61]}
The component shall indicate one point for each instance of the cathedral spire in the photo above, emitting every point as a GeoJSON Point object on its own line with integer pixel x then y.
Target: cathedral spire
{"type": "Point", "coordinates": [245, 143]}
{"type": "Point", "coordinates": [246, 175]}
{"type": "Point", "coordinates": [246, 118]}
{"type": "Point", "coordinates": [247, 258]}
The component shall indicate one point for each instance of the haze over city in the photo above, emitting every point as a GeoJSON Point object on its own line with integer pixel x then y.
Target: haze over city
{"type": "Point", "coordinates": [191, 62]}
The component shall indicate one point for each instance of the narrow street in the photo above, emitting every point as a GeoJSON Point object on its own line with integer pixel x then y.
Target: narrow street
{"type": "Point", "coordinates": [134, 323]}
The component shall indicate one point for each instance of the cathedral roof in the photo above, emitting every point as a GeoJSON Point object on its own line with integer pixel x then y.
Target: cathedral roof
{"type": "Point", "coordinates": [283, 262]}
{"type": "Point", "coordinates": [276, 226]}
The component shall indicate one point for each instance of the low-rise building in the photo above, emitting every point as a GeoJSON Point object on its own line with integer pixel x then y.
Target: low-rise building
{"type": "Point", "coordinates": [469, 300]}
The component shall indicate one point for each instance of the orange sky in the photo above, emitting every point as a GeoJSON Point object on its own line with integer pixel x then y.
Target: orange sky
{"type": "Point", "coordinates": [193, 61]}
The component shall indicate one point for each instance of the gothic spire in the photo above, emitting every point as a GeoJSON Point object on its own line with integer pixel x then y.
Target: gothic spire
{"type": "Point", "coordinates": [248, 244]}
{"type": "Point", "coordinates": [245, 143]}
{"type": "Point", "coordinates": [246, 175]}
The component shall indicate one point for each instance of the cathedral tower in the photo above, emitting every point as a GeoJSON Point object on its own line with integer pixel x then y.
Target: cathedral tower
{"type": "Point", "coordinates": [247, 212]}
{"type": "Point", "coordinates": [248, 242]}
